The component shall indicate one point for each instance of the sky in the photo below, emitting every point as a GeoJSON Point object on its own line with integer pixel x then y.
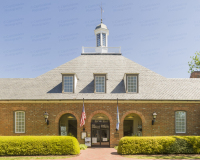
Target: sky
{"type": "Point", "coordinates": [37, 36]}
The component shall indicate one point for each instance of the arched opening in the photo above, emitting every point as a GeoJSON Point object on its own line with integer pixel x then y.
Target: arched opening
{"type": "Point", "coordinates": [100, 129]}
{"type": "Point", "coordinates": [68, 125]}
{"type": "Point", "coordinates": [132, 125]}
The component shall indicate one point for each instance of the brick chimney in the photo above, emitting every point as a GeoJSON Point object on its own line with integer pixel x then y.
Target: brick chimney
{"type": "Point", "coordinates": [195, 74]}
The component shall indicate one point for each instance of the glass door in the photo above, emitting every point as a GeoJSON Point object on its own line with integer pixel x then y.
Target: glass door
{"type": "Point", "coordinates": [100, 136]}
{"type": "Point", "coordinates": [96, 135]}
{"type": "Point", "coordinates": [105, 133]}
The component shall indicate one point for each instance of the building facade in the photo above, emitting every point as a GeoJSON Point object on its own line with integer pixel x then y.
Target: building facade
{"type": "Point", "coordinates": [100, 75]}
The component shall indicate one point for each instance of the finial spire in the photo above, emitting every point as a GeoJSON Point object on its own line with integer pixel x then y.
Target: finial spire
{"type": "Point", "coordinates": [101, 12]}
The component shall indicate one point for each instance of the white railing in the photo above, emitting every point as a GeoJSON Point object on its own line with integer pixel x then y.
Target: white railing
{"type": "Point", "coordinates": [101, 50]}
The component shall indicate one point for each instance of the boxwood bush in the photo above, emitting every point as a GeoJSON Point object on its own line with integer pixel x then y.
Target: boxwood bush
{"type": "Point", "coordinates": [83, 147]}
{"type": "Point", "coordinates": [159, 145]}
{"type": "Point", "coordinates": [38, 145]}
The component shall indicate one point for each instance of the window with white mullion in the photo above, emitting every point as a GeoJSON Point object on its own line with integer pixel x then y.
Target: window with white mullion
{"type": "Point", "coordinates": [98, 39]}
{"type": "Point", "coordinates": [104, 39]}
{"type": "Point", "coordinates": [180, 121]}
{"type": "Point", "coordinates": [68, 84]}
{"type": "Point", "coordinates": [100, 84]}
{"type": "Point", "coordinates": [132, 84]}
{"type": "Point", "coordinates": [19, 122]}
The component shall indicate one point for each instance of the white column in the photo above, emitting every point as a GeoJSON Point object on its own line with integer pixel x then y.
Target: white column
{"type": "Point", "coordinates": [101, 39]}
{"type": "Point", "coordinates": [82, 49]}
{"type": "Point", "coordinates": [96, 40]}
{"type": "Point", "coordinates": [106, 40]}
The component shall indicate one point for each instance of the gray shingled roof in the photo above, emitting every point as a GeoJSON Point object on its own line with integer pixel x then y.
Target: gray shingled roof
{"type": "Point", "coordinates": [152, 86]}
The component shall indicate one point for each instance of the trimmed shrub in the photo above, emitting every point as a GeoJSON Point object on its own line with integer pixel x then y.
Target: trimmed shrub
{"type": "Point", "coordinates": [38, 145]}
{"type": "Point", "coordinates": [159, 145]}
{"type": "Point", "coordinates": [83, 147]}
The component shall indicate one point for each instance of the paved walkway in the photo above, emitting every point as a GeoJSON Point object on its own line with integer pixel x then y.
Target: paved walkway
{"type": "Point", "coordinates": [98, 154]}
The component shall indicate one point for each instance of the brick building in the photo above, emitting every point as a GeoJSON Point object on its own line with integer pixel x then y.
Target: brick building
{"type": "Point", "coordinates": [100, 75]}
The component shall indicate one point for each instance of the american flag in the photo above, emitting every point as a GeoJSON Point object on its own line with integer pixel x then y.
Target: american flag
{"type": "Point", "coordinates": [83, 116]}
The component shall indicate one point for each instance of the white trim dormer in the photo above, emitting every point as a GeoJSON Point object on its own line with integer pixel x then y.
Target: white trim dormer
{"type": "Point", "coordinates": [100, 84]}
{"type": "Point", "coordinates": [131, 82]}
{"type": "Point", "coordinates": [69, 82]}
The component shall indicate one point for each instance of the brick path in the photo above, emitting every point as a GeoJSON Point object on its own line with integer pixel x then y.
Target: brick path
{"type": "Point", "coordinates": [98, 154]}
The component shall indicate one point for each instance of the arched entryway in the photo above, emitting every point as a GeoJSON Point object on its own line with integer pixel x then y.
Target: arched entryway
{"type": "Point", "coordinates": [132, 125]}
{"type": "Point", "coordinates": [100, 131]}
{"type": "Point", "coordinates": [68, 125]}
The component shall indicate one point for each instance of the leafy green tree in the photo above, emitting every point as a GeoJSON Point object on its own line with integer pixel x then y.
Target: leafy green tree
{"type": "Point", "coordinates": [194, 64]}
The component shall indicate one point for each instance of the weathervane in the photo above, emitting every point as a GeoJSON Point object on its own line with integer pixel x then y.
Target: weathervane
{"type": "Point", "coordinates": [101, 12]}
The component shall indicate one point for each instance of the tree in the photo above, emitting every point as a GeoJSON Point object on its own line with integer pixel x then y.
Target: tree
{"type": "Point", "coordinates": [195, 63]}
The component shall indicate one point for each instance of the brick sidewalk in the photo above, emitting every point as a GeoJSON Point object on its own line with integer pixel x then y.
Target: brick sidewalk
{"type": "Point", "coordinates": [98, 154]}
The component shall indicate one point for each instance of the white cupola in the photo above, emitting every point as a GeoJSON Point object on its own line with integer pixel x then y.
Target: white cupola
{"type": "Point", "coordinates": [101, 31]}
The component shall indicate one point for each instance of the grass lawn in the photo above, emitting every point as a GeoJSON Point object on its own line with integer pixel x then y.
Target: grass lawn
{"type": "Point", "coordinates": [170, 156]}
{"type": "Point", "coordinates": [34, 157]}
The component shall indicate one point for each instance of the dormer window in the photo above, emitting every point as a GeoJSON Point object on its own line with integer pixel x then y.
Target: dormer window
{"type": "Point", "coordinates": [68, 83]}
{"type": "Point", "coordinates": [100, 83]}
{"type": "Point", "coordinates": [131, 83]}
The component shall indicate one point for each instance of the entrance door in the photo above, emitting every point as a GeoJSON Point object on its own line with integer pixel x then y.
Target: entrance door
{"type": "Point", "coordinates": [128, 128]}
{"type": "Point", "coordinates": [68, 125]}
{"type": "Point", "coordinates": [100, 136]}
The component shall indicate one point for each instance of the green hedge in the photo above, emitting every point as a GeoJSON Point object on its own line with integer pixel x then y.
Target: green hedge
{"type": "Point", "coordinates": [38, 145]}
{"type": "Point", "coordinates": [83, 147]}
{"type": "Point", "coordinates": [159, 145]}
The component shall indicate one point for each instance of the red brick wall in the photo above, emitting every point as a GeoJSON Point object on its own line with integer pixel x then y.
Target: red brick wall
{"type": "Point", "coordinates": [195, 74]}
{"type": "Point", "coordinates": [164, 124]}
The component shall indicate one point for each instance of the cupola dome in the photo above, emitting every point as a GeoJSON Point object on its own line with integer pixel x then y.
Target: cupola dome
{"type": "Point", "coordinates": [101, 26]}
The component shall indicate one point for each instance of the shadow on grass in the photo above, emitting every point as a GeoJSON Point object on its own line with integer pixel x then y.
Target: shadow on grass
{"type": "Point", "coordinates": [163, 156]}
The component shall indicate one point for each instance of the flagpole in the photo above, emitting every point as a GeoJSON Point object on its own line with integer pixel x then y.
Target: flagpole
{"type": "Point", "coordinates": [117, 113]}
{"type": "Point", "coordinates": [117, 124]}
{"type": "Point", "coordinates": [84, 124]}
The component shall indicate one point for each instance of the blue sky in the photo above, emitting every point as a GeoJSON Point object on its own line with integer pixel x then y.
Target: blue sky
{"type": "Point", "coordinates": [37, 36]}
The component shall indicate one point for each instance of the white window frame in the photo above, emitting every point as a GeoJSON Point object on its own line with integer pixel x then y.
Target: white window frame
{"type": "Point", "coordinates": [131, 75]}
{"type": "Point", "coordinates": [103, 39]}
{"type": "Point", "coordinates": [20, 121]}
{"type": "Point", "coordinates": [180, 122]}
{"type": "Point", "coordinates": [63, 90]}
{"type": "Point", "coordinates": [99, 39]}
{"type": "Point", "coordinates": [104, 76]}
